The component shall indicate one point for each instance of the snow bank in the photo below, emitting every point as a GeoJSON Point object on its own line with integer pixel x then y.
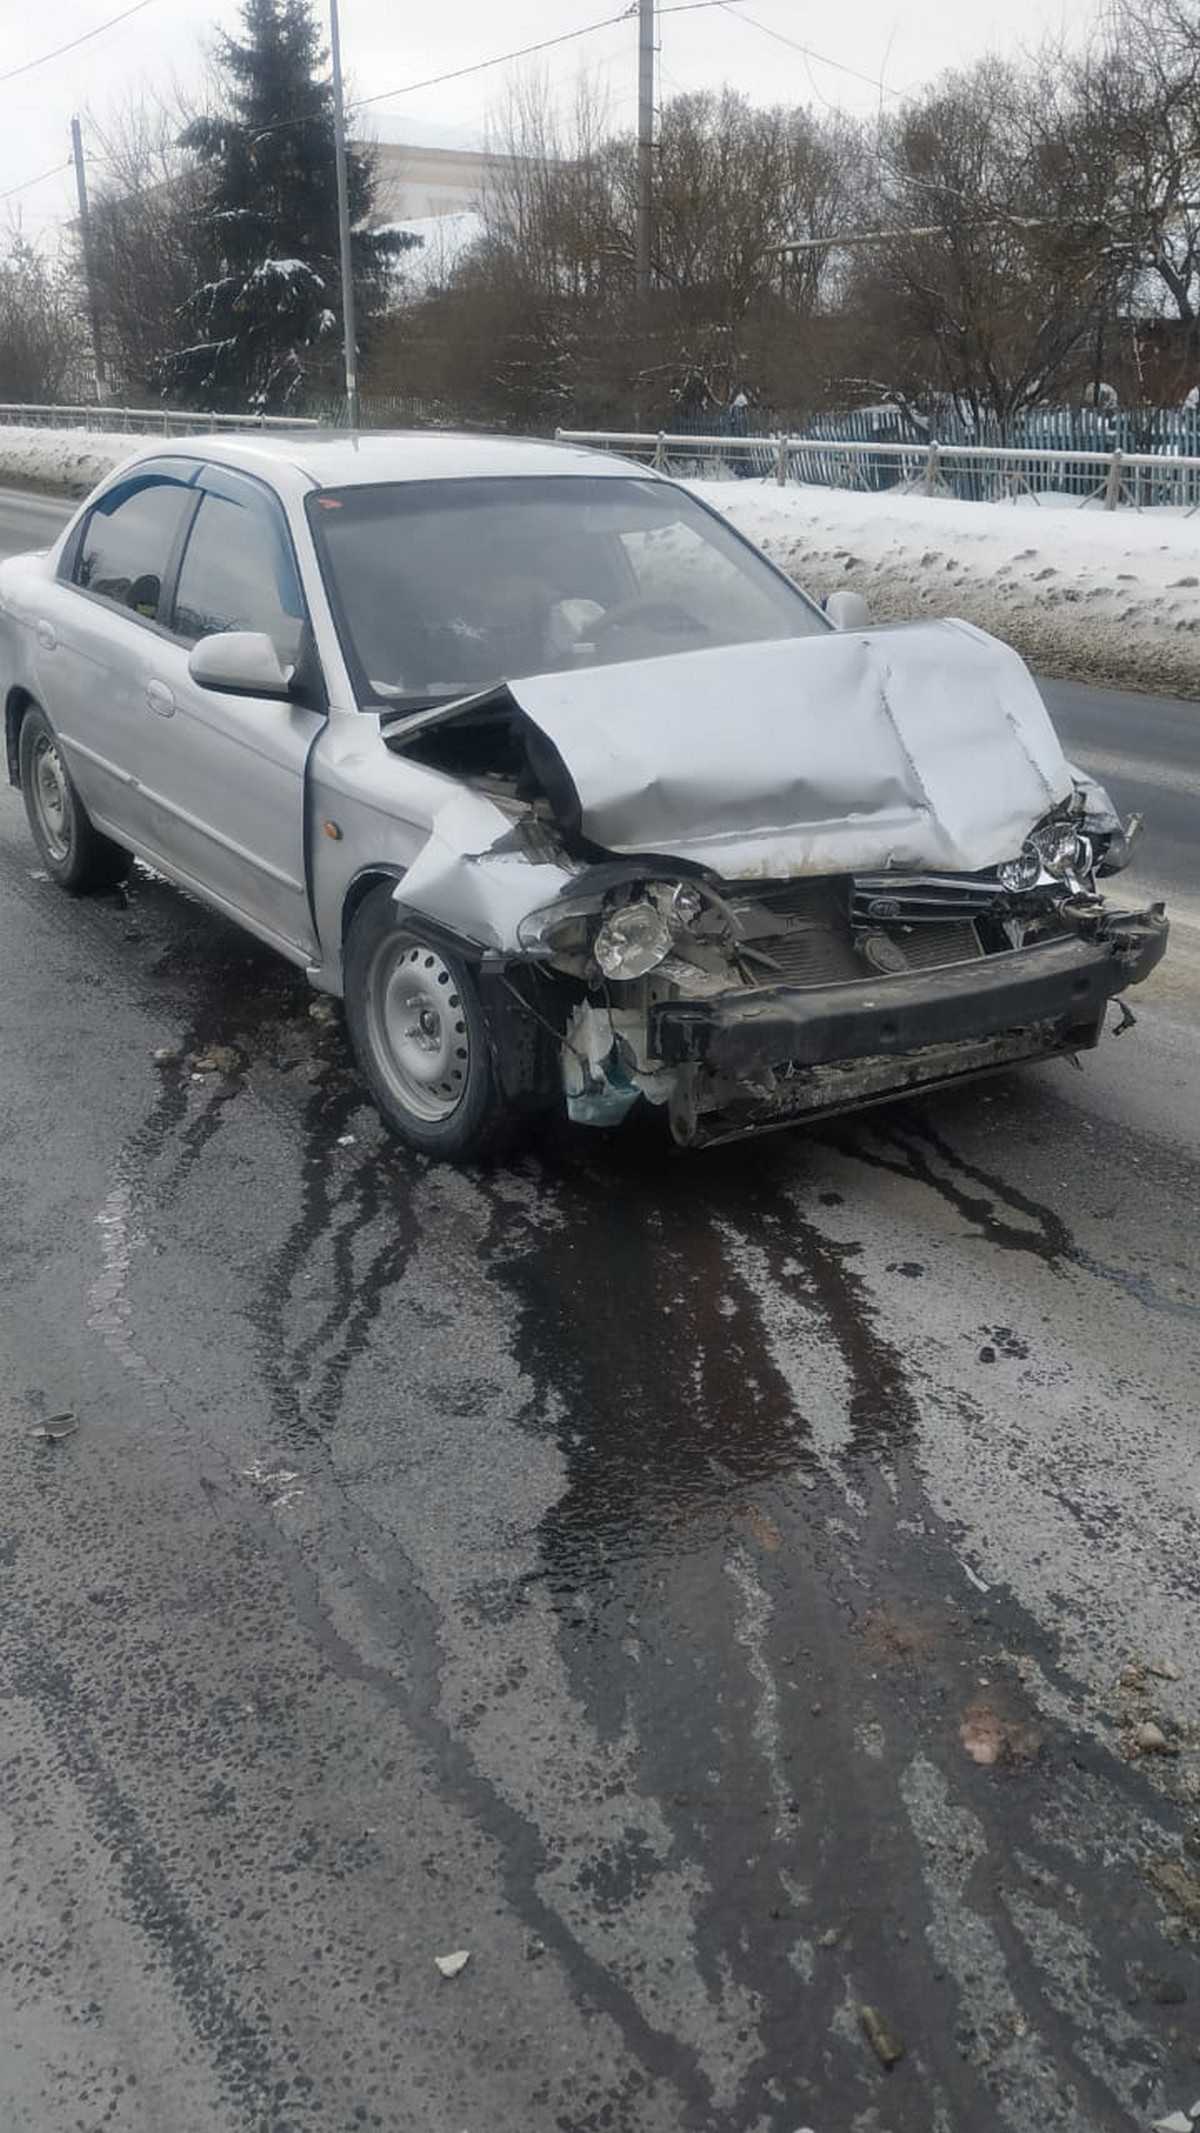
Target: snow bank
{"type": "Point", "coordinates": [1086, 594]}
{"type": "Point", "coordinates": [69, 462]}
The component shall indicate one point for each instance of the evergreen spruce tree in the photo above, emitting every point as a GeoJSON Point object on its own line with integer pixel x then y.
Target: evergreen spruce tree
{"type": "Point", "coordinates": [266, 320]}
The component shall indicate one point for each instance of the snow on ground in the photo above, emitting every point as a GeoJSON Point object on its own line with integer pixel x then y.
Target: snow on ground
{"type": "Point", "coordinates": [1083, 593]}
{"type": "Point", "coordinates": [70, 462]}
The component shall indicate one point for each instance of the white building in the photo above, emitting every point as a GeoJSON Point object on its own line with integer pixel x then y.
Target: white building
{"type": "Point", "coordinates": [415, 184]}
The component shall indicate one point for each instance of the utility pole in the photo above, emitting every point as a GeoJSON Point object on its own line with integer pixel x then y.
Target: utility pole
{"type": "Point", "coordinates": [645, 157]}
{"type": "Point", "coordinates": [349, 330]}
{"type": "Point", "coordinates": [85, 232]}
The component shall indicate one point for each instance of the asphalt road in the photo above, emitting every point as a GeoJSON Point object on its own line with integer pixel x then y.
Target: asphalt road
{"type": "Point", "coordinates": [721, 1594]}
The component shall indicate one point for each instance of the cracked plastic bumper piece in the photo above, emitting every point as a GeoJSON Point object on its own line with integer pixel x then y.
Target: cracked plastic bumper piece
{"type": "Point", "coordinates": [1060, 989]}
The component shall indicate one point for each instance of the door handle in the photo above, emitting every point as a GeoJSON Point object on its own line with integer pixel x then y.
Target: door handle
{"type": "Point", "coordinates": [46, 637]}
{"type": "Point", "coordinates": [160, 699]}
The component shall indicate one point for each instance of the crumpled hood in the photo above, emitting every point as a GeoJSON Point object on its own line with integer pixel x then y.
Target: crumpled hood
{"type": "Point", "coordinates": [926, 747]}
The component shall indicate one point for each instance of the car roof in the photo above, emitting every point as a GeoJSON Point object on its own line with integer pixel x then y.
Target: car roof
{"type": "Point", "coordinates": [337, 459]}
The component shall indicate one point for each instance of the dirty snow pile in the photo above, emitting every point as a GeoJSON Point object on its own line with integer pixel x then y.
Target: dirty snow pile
{"type": "Point", "coordinates": [1086, 594]}
{"type": "Point", "coordinates": [68, 461]}
{"type": "Point", "coordinates": [1083, 593]}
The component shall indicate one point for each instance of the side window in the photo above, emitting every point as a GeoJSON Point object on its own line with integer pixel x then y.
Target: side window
{"type": "Point", "coordinates": [237, 573]}
{"type": "Point", "coordinates": [127, 543]}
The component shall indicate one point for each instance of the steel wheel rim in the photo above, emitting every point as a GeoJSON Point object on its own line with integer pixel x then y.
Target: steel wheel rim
{"type": "Point", "coordinates": [52, 798]}
{"type": "Point", "coordinates": [417, 1022]}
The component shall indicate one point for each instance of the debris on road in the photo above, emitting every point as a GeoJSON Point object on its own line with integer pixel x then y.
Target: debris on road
{"type": "Point", "coordinates": [989, 1737]}
{"type": "Point", "coordinates": [218, 1059]}
{"type": "Point", "coordinates": [167, 1055]}
{"type": "Point", "coordinates": [451, 1965]}
{"type": "Point", "coordinates": [884, 2038]}
{"type": "Point", "coordinates": [53, 1428]}
{"type": "Point", "coordinates": [1149, 1739]}
{"type": "Point", "coordinates": [1138, 1671]}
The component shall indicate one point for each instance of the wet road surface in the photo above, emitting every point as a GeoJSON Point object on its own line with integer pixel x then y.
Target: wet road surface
{"type": "Point", "coordinates": [720, 1593]}
{"type": "Point", "coordinates": [729, 1596]}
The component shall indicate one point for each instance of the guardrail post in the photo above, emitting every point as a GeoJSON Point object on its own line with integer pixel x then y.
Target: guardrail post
{"type": "Point", "coordinates": [932, 459]}
{"type": "Point", "coordinates": [1112, 486]}
{"type": "Point", "coordinates": [660, 453]}
{"type": "Point", "coordinates": [782, 456]}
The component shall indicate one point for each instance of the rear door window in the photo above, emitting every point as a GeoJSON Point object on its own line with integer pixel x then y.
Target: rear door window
{"type": "Point", "coordinates": [127, 544]}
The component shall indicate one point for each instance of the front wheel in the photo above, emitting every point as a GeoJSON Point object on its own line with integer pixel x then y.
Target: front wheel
{"type": "Point", "coordinates": [72, 849]}
{"type": "Point", "coordinates": [419, 1034]}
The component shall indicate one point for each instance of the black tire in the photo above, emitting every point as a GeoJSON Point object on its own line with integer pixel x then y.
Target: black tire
{"type": "Point", "coordinates": [72, 849]}
{"type": "Point", "coordinates": [420, 1035]}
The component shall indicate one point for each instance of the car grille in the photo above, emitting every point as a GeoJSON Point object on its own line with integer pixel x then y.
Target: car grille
{"type": "Point", "coordinates": [802, 928]}
{"type": "Point", "coordinates": [921, 897]}
{"type": "Point", "coordinates": [936, 941]}
{"type": "Point", "coordinates": [812, 955]}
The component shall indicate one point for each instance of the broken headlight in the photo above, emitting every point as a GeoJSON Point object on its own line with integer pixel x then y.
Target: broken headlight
{"type": "Point", "coordinates": [1061, 849]}
{"type": "Point", "coordinates": [632, 941]}
{"type": "Point", "coordinates": [1054, 851]}
{"type": "Point", "coordinates": [625, 934]}
{"type": "Point", "coordinates": [1023, 872]}
{"type": "Point", "coordinates": [635, 937]}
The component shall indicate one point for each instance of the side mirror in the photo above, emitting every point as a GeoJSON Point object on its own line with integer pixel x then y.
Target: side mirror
{"type": "Point", "coordinates": [848, 610]}
{"type": "Point", "coordinates": [242, 663]}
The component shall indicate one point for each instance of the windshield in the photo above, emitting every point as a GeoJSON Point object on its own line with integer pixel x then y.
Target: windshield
{"type": "Point", "coordinates": [442, 588]}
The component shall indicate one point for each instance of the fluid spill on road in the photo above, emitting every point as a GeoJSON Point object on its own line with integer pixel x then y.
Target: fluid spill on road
{"type": "Point", "coordinates": [842, 1739]}
{"type": "Point", "coordinates": [777, 1685]}
{"type": "Point", "coordinates": [909, 1145]}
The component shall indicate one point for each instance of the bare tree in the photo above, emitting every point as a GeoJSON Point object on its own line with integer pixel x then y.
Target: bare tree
{"type": "Point", "coordinates": [1138, 90]}
{"type": "Point", "coordinates": [995, 248]}
{"type": "Point", "coordinates": [41, 336]}
{"type": "Point", "coordinates": [550, 322]}
{"type": "Point", "coordinates": [146, 210]}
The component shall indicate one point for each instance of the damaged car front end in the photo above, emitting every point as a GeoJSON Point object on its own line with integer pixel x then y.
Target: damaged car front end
{"type": "Point", "coordinates": [788, 878]}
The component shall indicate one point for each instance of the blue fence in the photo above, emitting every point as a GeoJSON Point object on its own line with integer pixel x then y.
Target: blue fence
{"type": "Point", "coordinates": [900, 440]}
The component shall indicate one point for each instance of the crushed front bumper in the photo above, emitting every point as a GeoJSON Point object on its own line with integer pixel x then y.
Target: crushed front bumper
{"type": "Point", "coordinates": [753, 1059]}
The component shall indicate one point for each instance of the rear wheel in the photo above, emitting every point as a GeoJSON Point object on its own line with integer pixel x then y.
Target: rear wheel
{"type": "Point", "coordinates": [420, 1034]}
{"type": "Point", "coordinates": [72, 849]}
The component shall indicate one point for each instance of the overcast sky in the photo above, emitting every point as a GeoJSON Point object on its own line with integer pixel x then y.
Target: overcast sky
{"type": "Point", "coordinates": [868, 50]}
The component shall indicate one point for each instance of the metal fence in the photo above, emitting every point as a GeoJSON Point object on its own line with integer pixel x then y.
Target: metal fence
{"type": "Point", "coordinates": [1138, 457]}
{"type": "Point", "coordinates": [165, 421]}
{"type": "Point", "coordinates": [390, 411]}
{"type": "Point", "coordinates": [1058, 429]}
{"type": "Point", "coordinates": [1105, 474]}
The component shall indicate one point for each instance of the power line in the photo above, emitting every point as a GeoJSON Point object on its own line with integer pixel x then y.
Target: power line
{"type": "Point", "coordinates": [26, 183]}
{"type": "Point", "coordinates": [872, 81]}
{"type": "Point", "coordinates": [44, 57]}
{"type": "Point", "coordinates": [545, 44]}
{"type": "Point", "coordinates": [525, 51]}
